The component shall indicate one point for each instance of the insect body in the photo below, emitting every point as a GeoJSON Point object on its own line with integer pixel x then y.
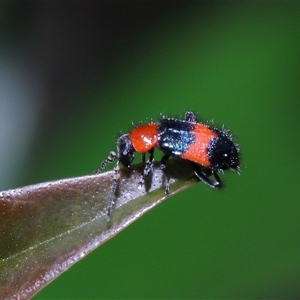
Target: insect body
{"type": "Point", "coordinates": [204, 147]}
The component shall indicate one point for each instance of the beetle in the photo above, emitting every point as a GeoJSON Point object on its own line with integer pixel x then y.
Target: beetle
{"type": "Point", "coordinates": [206, 148]}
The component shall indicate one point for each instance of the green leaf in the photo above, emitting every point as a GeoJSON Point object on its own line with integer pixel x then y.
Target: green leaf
{"type": "Point", "coordinates": [47, 227]}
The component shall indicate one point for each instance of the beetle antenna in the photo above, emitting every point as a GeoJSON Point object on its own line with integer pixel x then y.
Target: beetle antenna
{"type": "Point", "coordinates": [111, 158]}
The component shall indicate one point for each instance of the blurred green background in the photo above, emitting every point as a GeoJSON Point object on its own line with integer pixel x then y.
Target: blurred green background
{"type": "Point", "coordinates": [75, 75]}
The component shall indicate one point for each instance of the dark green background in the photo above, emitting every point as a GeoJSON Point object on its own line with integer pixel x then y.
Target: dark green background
{"type": "Point", "coordinates": [235, 63]}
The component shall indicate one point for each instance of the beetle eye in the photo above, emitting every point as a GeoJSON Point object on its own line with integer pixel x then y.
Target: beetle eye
{"type": "Point", "coordinates": [125, 151]}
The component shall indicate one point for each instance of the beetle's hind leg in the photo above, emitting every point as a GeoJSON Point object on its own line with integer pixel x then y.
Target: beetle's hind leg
{"type": "Point", "coordinates": [203, 177]}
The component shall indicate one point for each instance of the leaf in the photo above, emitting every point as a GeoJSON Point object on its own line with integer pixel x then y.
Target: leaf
{"type": "Point", "coordinates": [47, 227]}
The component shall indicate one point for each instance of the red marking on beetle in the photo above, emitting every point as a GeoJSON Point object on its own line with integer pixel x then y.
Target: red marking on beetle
{"type": "Point", "coordinates": [197, 151]}
{"type": "Point", "coordinates": [143, 138]}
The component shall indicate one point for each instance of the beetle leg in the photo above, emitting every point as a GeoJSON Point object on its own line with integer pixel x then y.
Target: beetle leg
{"type": "Point", "coordinates": [163, 163]}
{"type": "Point", "coordinates": [203, 177]}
